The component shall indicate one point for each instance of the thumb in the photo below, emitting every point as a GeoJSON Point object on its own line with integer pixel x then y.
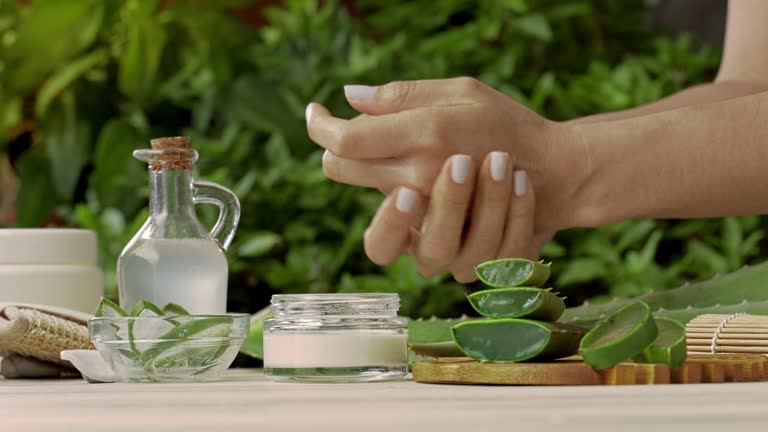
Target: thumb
{"type": "Point", "coordinates": [399, 96]}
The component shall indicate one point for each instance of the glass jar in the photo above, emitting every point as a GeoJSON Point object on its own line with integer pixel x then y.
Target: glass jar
{"type": "Point", "coordinates": [173, 257]}
{"type": "Point", "coordinates": [335, 338]}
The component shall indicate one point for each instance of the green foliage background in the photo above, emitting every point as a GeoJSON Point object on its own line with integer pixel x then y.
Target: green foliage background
{"type": "Point", "coordinates": [84, 82]}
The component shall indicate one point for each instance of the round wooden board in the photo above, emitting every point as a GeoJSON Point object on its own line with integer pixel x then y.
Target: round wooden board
{"type": "Point", "coordinates": [572, 371]}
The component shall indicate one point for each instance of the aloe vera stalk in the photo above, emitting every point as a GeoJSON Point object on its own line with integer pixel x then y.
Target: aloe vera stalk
{"type": "Point", "coordinates": [254, 343]}
{"type": "Point", "coordinates": [669, 347]}
{"type": "Point", "coordinates": [145, 305]}
{"type": "Point", "coordinates": [511, 272]}
{"type": "Point", "coordinates": [108, 308]}
{"type": "Point", "coordinates": [436, 349]}
{"type": "Point", "coordinates": [744, 291]}
{"type": "Point", "coordinates": [621, 336]}
{"type": "Point", "coordinates": [515, 340]}
{"type": "Point", "coordinates": [174, 309]}
{"type": "Point", "coordinates": [518, 302]}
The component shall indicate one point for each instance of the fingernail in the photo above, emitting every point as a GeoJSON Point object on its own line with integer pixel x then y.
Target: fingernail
{"type": "Point", "coordinates": [499, 165]}
{"type": "Point", "coordinates": [405, 200]}
{"type": "Point", "coordinates": [460, 168]}
{"type": "Point", "coordinates": [521, 183]}
{"type": "Point", "coordinates": [359, 92]}
{"type": "Point", "coordinates": [325, 155]}
{"type": "Point", "coordinates": [308, 113]}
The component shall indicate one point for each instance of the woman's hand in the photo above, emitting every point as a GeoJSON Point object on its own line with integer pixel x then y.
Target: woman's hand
{"type": "Point", "coordinates": [475, 213]}
{"type": "Point", "coordinates": [409, 128]}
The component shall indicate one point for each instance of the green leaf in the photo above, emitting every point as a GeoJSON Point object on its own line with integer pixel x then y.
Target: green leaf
{"type": "Point", "coordinates": [139, 65]}
{"type": "Point", "coordinates": [66, 76]}
{"type": "Point", "coordinates": [580, 270]}
{"type": "Point", "coordinates": [37, 197]}
{"type": "Point", "coordinates": [49, 33]}
{"type": "Point", "coordinates": [509, 272]}
{"type": "Point", "coordinates": [258, 244]}
{"type": "Point", "coordinates": [66, 138]}
{"type": "Point", "coordinates": [518, 302]}
{"type": "Point", "coordinates": [535, 26]}
{"type": "Point", "coordinates": [254, 343]}
{"type": "Point", "coordinates": [117, 176]}
{"type": "Point", "coordinates": [110, 309]}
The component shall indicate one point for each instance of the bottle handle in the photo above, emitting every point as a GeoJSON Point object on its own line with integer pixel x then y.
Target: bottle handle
{"type": "Point", "coordinates": [229, 209]}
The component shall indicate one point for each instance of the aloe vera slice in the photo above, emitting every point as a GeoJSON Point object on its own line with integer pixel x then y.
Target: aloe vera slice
{"type": "Point", "coordinates": [202, 327]}
{"type": "Point", "coordinates": [109, 309]}
{"type": "Point", "coordinates": [669, 347]}
{"type": "Point", "coordinates": [174, 309]}
{"type": "Point", "coordinates": [518, 302]}
{"type": "Point", "coordinates": [511, 272]}
{"type": "Point", "coordinates": [514, 340]}
{"type": "Point", "coordinates": [619, 337]}
{"type": "Point", "coordinates": [436, 349]}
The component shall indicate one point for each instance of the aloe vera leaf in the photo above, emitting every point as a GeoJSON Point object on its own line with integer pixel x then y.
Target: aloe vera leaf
{"type": "Point", "coordinates": [621, 336]}
{"type": "Point", "coordinates": [518, 302]}
{"type": "Point", "coordinates": [514, 340]}
{"type": "Point", "coordinates": [174, 309]}
{"type": "Point", "coordinates": [744, 291]}
{"type": "Point", "coordinates": [436, 349]}
{"type": "Point", "coordinates": [182, 332]}
{"type": "Point", "coordinates": [511, 272]}
{"type": "Point", "coordinates": [254, 343]}
{"type": "Point", "coordinates": [110, 309]}
{"type": "Point", "coordinates": [145, 305]}
{"type": "Point", "coordinates": [669, 347]}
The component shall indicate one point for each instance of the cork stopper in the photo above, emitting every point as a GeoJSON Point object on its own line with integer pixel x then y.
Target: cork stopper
{"type": "Point", "coordinates": [172, 153]}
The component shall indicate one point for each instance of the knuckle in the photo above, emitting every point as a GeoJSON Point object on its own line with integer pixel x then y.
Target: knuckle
{"type": "Point", "coordinates": [397, 92]}
{"type": "Point", "coordinates": [346, 141]}
{"type": "Point", "coordinates": [436, 255]}
{"type": "Point", "coordinates": [468, 85]}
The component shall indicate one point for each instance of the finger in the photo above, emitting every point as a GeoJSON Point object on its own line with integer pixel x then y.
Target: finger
{"type": "Point", "coordinates": [518, 232]}
{"type": "Point", "coordinates": [487, 217]}
{"type": "Point", "coordinates": [405, 95]}
{"type": "Point", "coordinates": [367, 137]}
{"type": "Point", "coordinates": [389, 233]}
{"type": "Point", "coordinates": [423, 269]}
{"type": "Point", "coordinates": [382, 174]}
{"type": "Point", "coordinates": [444, 223]}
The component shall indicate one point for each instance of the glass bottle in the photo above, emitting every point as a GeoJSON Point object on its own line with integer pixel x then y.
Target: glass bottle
{"type": "Point", "coordinates": [173, 258]}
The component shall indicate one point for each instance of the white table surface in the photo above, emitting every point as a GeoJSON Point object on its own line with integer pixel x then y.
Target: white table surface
{"type": "Point", "coordinates": [246, 401]}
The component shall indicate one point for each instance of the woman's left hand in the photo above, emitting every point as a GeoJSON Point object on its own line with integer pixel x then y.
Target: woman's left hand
{"type": "Point", "coordinates": [475, 213]}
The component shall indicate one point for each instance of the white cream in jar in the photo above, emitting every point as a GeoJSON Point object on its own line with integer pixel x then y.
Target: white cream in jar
{"type": "Point", "coordinates": [335, 337]}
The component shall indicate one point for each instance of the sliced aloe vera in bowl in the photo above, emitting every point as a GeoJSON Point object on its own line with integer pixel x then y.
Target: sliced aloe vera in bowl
{"type": "Point", "coordinates": [511, 272]}
{"type": "Point", "coordinates": [518, 302]}
{"type": "Point", "coordinates": [619, 337]}
{"type": "Point", "coordinates": [174, 309]}
{"type": "Point", "coordinates": [669, 347]}
{"type": "Point", "coordinates": [515, 340]}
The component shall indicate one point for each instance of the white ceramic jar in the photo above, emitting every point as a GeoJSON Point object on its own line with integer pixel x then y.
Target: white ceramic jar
{"type": "Point", "coordinates": [50, 266]}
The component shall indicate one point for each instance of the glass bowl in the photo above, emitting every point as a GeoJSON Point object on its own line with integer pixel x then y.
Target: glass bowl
{"type": "Point", "coordinates": [169, 348]}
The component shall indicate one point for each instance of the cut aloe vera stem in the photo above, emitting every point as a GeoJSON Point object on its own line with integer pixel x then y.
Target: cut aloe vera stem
{"type": "Point", "coordinates": [110, 309]}
{"type": "Point", "coordinates": [669, 347]}
{"type": "Point", "coordinates": [513, 340]}
{"type": "Point", "coordinates": [174, 309]}
{"type": "Point", "coordinates": [437, 349]}
{"type": "Point", "coordinates": [511, 272]}
{"type": "Point", "coordinates": [621, 336]}
{"type": "Point", "coordinates": [518, 302]}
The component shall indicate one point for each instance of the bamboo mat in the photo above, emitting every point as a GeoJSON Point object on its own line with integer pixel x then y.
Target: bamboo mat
{"type": "Point", "coordinates": [728, 334]}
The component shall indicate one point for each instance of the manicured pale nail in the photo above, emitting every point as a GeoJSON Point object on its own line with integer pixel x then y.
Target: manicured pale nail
{"type": "Point", "coordinates": [308, 113]}
{"type": "Point", "coordinates": [405, 200]}
{"type": "Point", "coordinates": [359, 92]}
{"type": "Point", "coordinates": [460, 168]}
{"type": "Point", "coordinates": [521, 183]}
{"type": "Point", "coordinates": [499, 165]}
{"type": "Point", "coordinates": [326, 154]}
